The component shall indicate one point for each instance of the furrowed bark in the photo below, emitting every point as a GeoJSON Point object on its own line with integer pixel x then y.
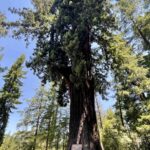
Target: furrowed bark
{"type": "Point", "coordinates": [81, 98]}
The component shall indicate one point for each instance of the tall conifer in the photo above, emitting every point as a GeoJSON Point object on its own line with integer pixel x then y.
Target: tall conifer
{"type": "Point", "coordinates": [10, 93]}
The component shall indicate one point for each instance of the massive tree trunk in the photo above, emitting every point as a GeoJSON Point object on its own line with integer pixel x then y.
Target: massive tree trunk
{"type": "Point", "coordinates": [83, 99]}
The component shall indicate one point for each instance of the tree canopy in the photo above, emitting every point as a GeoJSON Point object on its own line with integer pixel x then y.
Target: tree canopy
{"type": "Point", "coordinates": [89, 46]}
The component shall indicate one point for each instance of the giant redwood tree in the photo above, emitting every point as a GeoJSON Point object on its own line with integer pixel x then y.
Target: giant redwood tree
{"type": "Point", "coordinates": [75, 49]}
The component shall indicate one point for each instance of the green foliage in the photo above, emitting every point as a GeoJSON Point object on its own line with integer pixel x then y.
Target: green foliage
{"type": "Point", "coordinates": [115, 136]}
{"type": "Point", "coordinates": [144, 120]}
{"type": "Point", "coordinates": [65, 32]}
{"type": "Point", "coordinates": [132, 82]}
{"type": "Point", "coordinates": [79, 41]}
{"type": "Point", "coordinates": [10, 142]}
{"type": "Point", "coordinates": [136, 18]}
{"type": "Point", "coordinates": [2, 28]}
{"type": "Point", "coordinates": [26, 142]}
{"type": "Point", "coordinates": [130, 79]}
{"type": "Point", "coordinates": [47, 124]}
{"type": "Point", "coordinates": [3, 32]}
{"type": "Point", "coordinates": [10, 93]}
{"type": "Point", "coordinates": [17, 141]}
{"type": "Point", "coordinates": [110, 132]}
{"type": "Point", "coordinates": [143, 22]}
{"type": "Point", "coordinates": [143, 126]}
{"type": "Point", "coordinates": [2, 69]}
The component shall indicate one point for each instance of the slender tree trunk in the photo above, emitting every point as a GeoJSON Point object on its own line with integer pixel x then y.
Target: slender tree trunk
{"type": "Point", "coordinates": [143, 37]}
{"type": "Point", "coordinates": [57, 142]}
{"type": "Point", "coordinates": [141, 33]}
{"type": "Point", "coordinates": [37, 127]}
{"type": "Point", "coordinates": [65, 138]}
{"type": "Point", "coordinates": [120, 112]}
{"type": "Point", "coordinates": [63, 145]}
{"type": "Point", "coordinates": [4, 115]}
{"type": "Point", "coordinates": [101, 124]}
{"type": "Point", "coordinates": [55, 128]}
{"type": "Point", "coordinates": [48, 133]}
{"type": "Point", "coordinates": [81, 99]}
{"type": "Point", "coordinates": [36, 132]}
{"type": "Point", "coordinates": [99, 114]}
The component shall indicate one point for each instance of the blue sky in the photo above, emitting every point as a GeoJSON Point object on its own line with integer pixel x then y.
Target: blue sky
{"type": "Point", "coordinates": [12, 50]}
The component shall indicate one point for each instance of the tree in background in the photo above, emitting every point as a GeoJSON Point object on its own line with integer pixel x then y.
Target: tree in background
{"type": "Point", "coordinates": [143, 127]}
{"type": "Point", "coordinates": [115, 136]}
{"type": "Point", "coordinates": [135, 15]}
{"type": "Point", "coordinates": [45, 126]}
{"type": "Point", "coordinates": [135, 20]}
{"type": "Point", "coordinates": [10, 93]}
{"type": "Point", "coordinates": [10, 143]}
{"type": "Point", "coordinates": [3, 32]}
{"type": "Point", "coordinates": [110, 134]}
{"type": "Point", "coordinates": [33, 114]}
{"type": "Point", "coordinates": [18, 141]}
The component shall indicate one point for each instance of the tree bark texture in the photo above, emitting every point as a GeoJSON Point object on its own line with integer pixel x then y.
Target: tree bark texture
{"type": "Point", "coordinates": [81, 99]}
